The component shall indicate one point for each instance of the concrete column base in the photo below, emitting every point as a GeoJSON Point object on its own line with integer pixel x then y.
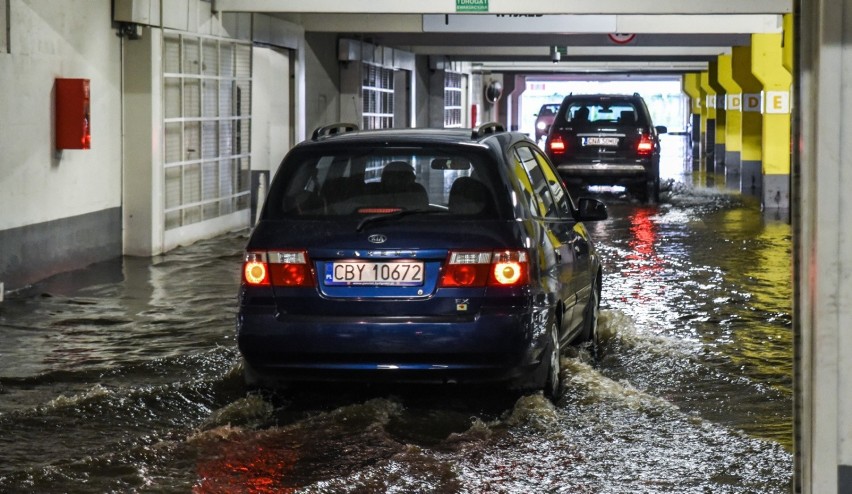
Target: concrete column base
{"type": "Point", "coordinates": [719, 158]}
{"type": "Point", "coordinates": [751, 178]}
{"type": "Point", "coordinates": [776, 192]}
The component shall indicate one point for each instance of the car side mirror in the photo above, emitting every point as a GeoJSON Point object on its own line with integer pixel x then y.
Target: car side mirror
{"type": "Point", "coordinates": [661, 129]}
{"type": "Point", "coordinates": [591, 210]}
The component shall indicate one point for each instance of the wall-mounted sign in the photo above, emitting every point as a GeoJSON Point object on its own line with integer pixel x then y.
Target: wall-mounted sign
{"type": "Point", "coordinates": [776, 102]}
{"type": "Point", "coordinates": [621, 38]}
{"type": "Point", "coordinates": [734, 101]}
{"type": "Point", "coordinates": [471, 5]}
{"type": "Point", "coordinates": [751, 102]}
{"type": "Point", "coordinates": [711, 101]}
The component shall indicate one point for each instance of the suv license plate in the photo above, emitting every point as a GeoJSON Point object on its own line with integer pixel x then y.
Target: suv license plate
{"type": "Point", "coordinates": [600, 141]}
{"type": "Point", "coordinates": [400, 273]}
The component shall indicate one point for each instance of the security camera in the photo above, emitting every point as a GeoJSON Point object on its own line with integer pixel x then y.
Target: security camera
{"type": "Point", "coordinates": [555, 56]}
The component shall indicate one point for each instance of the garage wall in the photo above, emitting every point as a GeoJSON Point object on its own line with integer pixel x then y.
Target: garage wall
{"type": "Point", "coordinates": [60, 211]}
{"type": "Point", "coordinates": [322, 76]}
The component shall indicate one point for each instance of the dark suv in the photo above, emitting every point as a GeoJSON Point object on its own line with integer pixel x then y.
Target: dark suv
{"type": "Point", "coordinates": [417, 255]}
{"type": "Point", "coordinates": [607, 139]}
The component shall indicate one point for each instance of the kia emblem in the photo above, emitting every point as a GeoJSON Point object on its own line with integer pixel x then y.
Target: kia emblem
{"type": "Point", "coordinates": [377, 238]}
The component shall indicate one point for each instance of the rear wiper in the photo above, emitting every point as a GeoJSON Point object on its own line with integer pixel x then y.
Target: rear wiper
{"type": "Point", "coordinates": [392, 216]}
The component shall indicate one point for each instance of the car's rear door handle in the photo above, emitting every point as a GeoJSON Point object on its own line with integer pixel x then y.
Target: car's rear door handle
{"type": "Point", "coordinates": [558, 256]}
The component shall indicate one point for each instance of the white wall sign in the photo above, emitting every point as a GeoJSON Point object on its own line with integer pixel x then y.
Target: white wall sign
{"type": "Point", "coordinates": [752, 102]}
{"type": "Point", "coordinates": [776, 102]}
{"type": "Point", "coordinates": [734, 101]}
{"type": "Point", "coordinates": [711, 101]}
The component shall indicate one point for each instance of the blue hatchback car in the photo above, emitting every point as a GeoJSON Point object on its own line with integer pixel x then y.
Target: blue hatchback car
{"type": "Point", "coordinates": [417, 255]}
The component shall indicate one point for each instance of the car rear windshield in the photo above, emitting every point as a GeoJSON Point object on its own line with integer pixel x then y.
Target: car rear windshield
{"type": "Point", "coordinates": [610, 111]}
{"type": "Point", "coordinates": [358, 181]}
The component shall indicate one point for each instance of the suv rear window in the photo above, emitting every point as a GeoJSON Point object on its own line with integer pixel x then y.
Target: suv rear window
{"type": "Point", "coordinates": [357, 181]}
{"type": "Point", "coordinates": [616, 112]}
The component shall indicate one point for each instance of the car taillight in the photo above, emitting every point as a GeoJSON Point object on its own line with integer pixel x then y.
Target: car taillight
{"type": "Point", "coordinates": [278, 268]}
{"type": "Point", "coordinates": [509, 268]}
{"type": "Point", "coordinates": [557, 145]}
{"type": "Point", "coordinates": [481, 268]}
{"type": "Point", "coordinates": [645, 145]}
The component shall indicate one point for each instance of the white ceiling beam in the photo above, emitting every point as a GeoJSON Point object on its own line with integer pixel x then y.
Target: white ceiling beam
{"type": "Point", "coordinates": [550, 24]}
{"type": "Point", "coordinates": [591, 67]}
{"type": "Point", "coordinates": [571, 24]}
{"type": "Point", "coordinates": [579, 51]}
{"type": "Point", "coordinates": [511, 6]}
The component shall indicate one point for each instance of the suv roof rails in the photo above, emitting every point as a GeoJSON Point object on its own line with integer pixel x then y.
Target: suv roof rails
{"type": "Point", "coordinates": [487, 128]}
{"type": "Point", "coordinates": [332, 129]}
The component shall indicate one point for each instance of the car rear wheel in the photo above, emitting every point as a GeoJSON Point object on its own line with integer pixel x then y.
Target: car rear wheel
{"type": "Point", "coordinates": [553, 384]}
{"type": "Point", "coordinates": [649, 191]}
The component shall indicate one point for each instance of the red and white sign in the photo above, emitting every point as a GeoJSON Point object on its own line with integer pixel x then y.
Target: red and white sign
{"type": "Point", "coordinates": [621, 38]}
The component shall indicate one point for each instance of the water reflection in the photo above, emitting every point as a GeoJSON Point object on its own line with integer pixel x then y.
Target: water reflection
{"type": "Point", "coordinates": [130, 382]}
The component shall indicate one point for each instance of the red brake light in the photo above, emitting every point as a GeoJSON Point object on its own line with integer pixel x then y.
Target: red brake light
{"type": "Point", "coordinates": [278, 268]}
{"type": "Point", "coordinates": [466, 269]}
{"type": "Point", "coordinates": [481, 268]}
{"type": "Point", "coordinates": [645, 146]}
{"type": "Point", "coordinates": [557, 145]}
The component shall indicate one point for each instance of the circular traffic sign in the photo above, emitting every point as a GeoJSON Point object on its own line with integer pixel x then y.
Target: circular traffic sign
{"type": "Point", "coordinates": [621, 38]}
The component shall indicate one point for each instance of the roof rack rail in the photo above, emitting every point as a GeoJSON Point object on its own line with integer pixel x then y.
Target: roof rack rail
{"type": "Point", "coordinates": [331, 129]}
{"type": "Point", "coordinates": [487, 128]}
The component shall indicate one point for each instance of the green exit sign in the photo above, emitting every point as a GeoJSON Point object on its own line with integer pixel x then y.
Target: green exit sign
{"type": "Point", "coordinates": [471, 5]}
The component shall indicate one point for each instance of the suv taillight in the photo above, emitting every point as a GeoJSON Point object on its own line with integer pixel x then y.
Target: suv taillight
{"type": "Point", "coordinates": [278, 268]}
{"type": "Point", "coordinates": [557, 144]}
{"type": "Point", "coordinates": [481, 268]}
{"type": "Point", "coordinates": [645, 145]}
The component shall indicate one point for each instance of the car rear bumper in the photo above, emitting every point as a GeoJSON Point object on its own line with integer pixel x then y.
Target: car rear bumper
{"type": "Point", "coordinates": [485, 348]}
{"type": "Point", "coordinates": [605, 173]}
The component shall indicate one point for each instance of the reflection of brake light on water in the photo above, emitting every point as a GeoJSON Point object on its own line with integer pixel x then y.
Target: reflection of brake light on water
{"type": "Point", "coordinates": [644, 235]}
{"type": "Point", "coordinates": [644, 261]}
{"type": "Point", "coordinates": [250, 467]}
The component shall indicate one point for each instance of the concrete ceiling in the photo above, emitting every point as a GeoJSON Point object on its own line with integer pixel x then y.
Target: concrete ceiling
{"type": "Point", "coordinates": [625, 36]}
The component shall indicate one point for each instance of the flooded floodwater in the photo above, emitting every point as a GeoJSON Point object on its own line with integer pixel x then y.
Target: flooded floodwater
{"type": "Point", "coordinates": [125, 378]}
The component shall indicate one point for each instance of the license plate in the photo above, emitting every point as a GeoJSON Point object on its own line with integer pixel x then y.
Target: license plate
{"type": "Point", "coordinates": [399, 273]}
{"type": "Point", "coordinates": [600, 141]}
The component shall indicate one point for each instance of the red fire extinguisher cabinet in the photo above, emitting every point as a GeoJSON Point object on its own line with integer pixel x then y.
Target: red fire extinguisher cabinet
{"type": "Point", "coordinates": [73, 124]}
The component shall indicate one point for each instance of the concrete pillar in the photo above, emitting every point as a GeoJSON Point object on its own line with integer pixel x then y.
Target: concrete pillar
{"type": "Point", "coordinates": [691, 85]}
{"type": "Point", "coordinates": [733, 118]}
{"type": "Point", "coordinates": [709, 121]}
{"type": "Point", "coordinates": [718, 165]}
{"type": "Point", "coordinates": [823, 234]}
{"type": "Point", "coordinates": [766, 58]}
{"type": "Point", "coordinates": [143, 159]}
{"type": "Point", "coordinates": [751, 169]}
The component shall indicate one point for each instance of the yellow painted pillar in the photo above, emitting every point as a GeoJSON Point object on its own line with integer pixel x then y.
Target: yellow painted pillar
{"type": "Point", "coordinates": [691, 85]}
{"type": "Point", "coordinates": [709, 106]}
{"type": "Point", "coordinates": [767, 54]}
{"type": "Point", "coordinates": [733, 117]}
{"type": "Point", "coordinates": [751, 164]}
{"type": "Point", "coordinates": [717, 164]}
